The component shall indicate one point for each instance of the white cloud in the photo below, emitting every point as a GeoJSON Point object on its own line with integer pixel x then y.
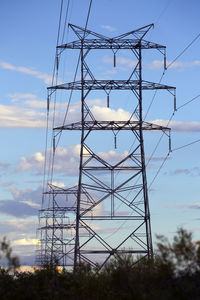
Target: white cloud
{"type": "Point", "coordinates": [58, 184]}
{"type": "Point", "coordinates": [121, 61]}
{"type": "Point", "coordinates": [28, 99]}
{"type": "Point", "coordinates": [36, 104]}
{"type": "Point", "coordinates": [20, 117]}
{"type": "Point", "coordinates": [36, 160]}
{"type": "Point", "coordinates": [29, 112]}
{"type": "Point", "coordinates": [108, 114]}
{"type": "Point", "coordinates": [25, 242]}
{"type": "Point", "coordinates": [21, 233]}
{"type": "Point", "coordinates": [21, 226]}
{"type": "Point", "coordinates": [43, 76]}
{"type": "Point", "coordinates": [18, 96]}
{"type": "Point", "coordinates": [158, 64]}
{"type": "Point", "coordinates": [108, 27]}
{"type": "Point", "coordinates": [100, 112]}
{"type": "Point", "coordinates": [179, 126]}
{"type": "Point", "coordinates": [112, 156]}
{"type": "Point", "coordinates": [66, 161]}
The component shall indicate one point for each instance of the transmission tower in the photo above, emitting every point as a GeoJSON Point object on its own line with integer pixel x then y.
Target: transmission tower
{"type": "Point", "coordinates": [107, 213]}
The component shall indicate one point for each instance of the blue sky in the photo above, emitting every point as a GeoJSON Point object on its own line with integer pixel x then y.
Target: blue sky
{"type": "Point", "coordinates": [28, 41]}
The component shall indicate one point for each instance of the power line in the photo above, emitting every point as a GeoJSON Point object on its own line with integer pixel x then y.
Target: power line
{"type": "Point", "coordinates": [47, 121]}
{"type": "Point", "coordinates": [169, 65]}
{"type": "Point", "coordinates": [158, 171]}
{"type": "Point", "coordinates": [71, 93]}
{"type": "Point", "coordinates": [184, 50]}
{"type": "Point", "coordinates": [65, 22]}
{"type": "Point", "coordinates": [196, 97]}
{"type": "Point", "coordinates": [186, 145]}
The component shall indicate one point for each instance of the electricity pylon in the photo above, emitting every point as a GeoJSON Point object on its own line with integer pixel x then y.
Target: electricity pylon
{"type": "Point", "coordinates": [107, 213]}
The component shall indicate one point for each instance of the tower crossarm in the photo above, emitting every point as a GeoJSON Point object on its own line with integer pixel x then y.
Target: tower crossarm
{"type": "Point", "coordinates": [112, 85]}
{"type": "Point", "coordinates": [112, 125]}
{"type": "Point", "coordinates": [111, 44]}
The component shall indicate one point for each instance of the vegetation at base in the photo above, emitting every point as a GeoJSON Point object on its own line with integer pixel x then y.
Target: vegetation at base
{"type": "Point", "coordinates": [173, 274]}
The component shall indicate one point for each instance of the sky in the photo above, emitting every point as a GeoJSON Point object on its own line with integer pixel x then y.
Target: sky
{"type": "Point", "coordinates": [28, 42]}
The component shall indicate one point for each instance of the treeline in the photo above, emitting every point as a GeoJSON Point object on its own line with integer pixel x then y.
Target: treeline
{"type": "Point", "coordinates": [173, 274]}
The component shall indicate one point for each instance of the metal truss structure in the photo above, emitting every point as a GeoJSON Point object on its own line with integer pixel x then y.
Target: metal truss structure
{"type": "Point", "coordinates": [85, 222]}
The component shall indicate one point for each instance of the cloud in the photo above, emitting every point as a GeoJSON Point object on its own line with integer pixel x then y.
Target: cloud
{"type": "Point", "coordinates": [43, 76]}
{"type": "Point", "coordinates": [25, 203]}
{"type": "Point", "coordinates": [108, 28]}
{"type": "Point", "coordinates": [29, 112]}
{"type": "Point", "coordinates": [125, 62]}
{"type": "Point", "coordinates": [36, 160]}
{"type": "Point", "coordinates": [14, 227]}
{"type": "Point", "coordinates": [25, 242]}
{"type": "Point", "coordinates": [20, 117]}
{"type": "Point", "coordinates": [27, 195]}
{"type": "Point", "coordinates": [98, 109]}
{"type": "Point", "coordinates": [112, 155]}
{"type": "Point", "coordinates": [108, 114]}
{"type": "Point", "coordinates": [66, 160]}
{"type": "Point", "coordinates": [192, 172]}
{"type": "Point", "coordinates": [17, 209]}
{"type": "Point", "coordinates": [154, 65]}
{"type": "Point", "coordinates": [21, 233]}
{"type": "Point", "coordinates": [19, 96]}
{"type": "Point", "coordinates": [179, 126]}
{"type": "Point", "coordinates": [58, 184]}
{"type": "Point", "coordinates": [4, 166]}
{"type": "Point", "coordinates": [195, 205]}
{"type": "Point", "coordinates": [158, 64]}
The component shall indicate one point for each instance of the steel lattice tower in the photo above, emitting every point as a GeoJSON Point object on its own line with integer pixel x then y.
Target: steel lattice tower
{"type": "Point", "coordinates": [68, 226]}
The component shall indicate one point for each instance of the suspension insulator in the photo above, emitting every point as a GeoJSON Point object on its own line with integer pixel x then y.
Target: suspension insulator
{"type": "Point", "coordinates": [57, 62]}
{"type": "Point", "coordinates": [108, 101]}
{"type": "Point", "coordinates": [48, 100]}
{"type": "Point", "coordinates": [115, 141]}
{"type": "Point", "coordinates": [170, 144]}
{"type": "Point", "coordinates": [175, 102]}
{"type": "Point", "coordinates": [54, 144]}
{"type": "Point", "coordinates": [114, 61]}
{"type": "Point", "coordinates": [165, 62]}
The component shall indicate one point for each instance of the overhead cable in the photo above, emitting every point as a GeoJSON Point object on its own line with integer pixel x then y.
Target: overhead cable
{"type": "Point", "coordinates": [182, 52]}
